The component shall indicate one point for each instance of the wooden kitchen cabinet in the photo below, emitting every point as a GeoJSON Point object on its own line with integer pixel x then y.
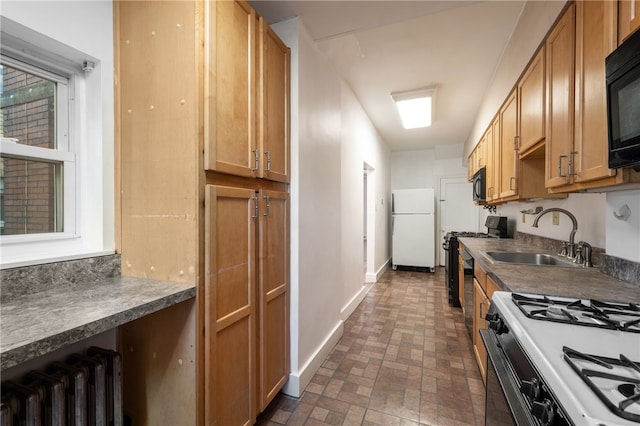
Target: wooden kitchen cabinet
{"type": "Point", "coordinates": [199, 86]}
{"type": "Point", "coordinates": [493, 160]}
{"type": "Point", "coordinates": [247, 94]}
{"type": "Point", "coordinates": [273, 298]}
{"type": "Point", "coordinates": [560, 51]}
{"type": "Point", "coordinates": [273, 94]}
{"type": "Point", "coordinates": [230, 88]}
{"type": "Point", "coordinates": [246, 301]}
{"type": "Point", "coordinates": [508, 147]}
{"type": "Point", "coordinates": [628, 18]}
{"type": "Point", "coordinates": [531, 104]}
{"type": "Point", "coordinates": [461, 277]}
{"type": "Point", "coordinates": [480, 308]}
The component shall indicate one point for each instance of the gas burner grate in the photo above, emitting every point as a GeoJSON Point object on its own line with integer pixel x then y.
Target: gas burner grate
{"type": "Point", "coordinates": [615, 381]}
{"type": "Point", "coordinates": [591, 313]}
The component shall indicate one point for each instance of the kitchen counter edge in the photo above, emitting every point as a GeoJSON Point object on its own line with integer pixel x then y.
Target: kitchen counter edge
{"type": "Point", "coordinates": [585, 283]}
{"type": "Point", "coordinates": [35, 324]}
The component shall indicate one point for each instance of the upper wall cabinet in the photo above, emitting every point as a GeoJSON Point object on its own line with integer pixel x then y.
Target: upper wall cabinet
{"type": "Point", "coordinates": [560, 47]}
{"type": "Point", "coordinates": [230, 88]}
{"type": "Point", "coordinates": [246, 94]}
{"type": "Point", "coordinates": [273, 90]}
{"type": "Point", "coordinates": [628, 18]}
{"type": "Point", "coordinates": [531, 104]}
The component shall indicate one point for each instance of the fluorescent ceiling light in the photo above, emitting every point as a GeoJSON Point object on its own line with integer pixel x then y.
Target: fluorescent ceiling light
{"type": "Point", "coordinates": [415, 107]}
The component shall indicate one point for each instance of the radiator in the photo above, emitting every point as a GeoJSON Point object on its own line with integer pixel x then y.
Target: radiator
{"type": "Point", "coordinates": [85, 390]}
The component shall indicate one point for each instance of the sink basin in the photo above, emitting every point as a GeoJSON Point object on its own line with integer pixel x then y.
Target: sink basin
{"type": "Point", "coordinates": [528, 258]}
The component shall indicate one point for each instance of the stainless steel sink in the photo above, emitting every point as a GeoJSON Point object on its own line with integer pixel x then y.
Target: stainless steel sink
{"type": "Point", "coordinates": [528, 258]}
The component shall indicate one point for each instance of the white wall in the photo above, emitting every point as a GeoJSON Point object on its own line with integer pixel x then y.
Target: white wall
{"type": "Point", "coordinates": [535, 21]}
{"type": "Point", "coordinates": [623, 237]}
{"type": "Point", "coordinates": [361, 144]}
{"type": "Point", "coordinates": [85, 27]}
{"type": "Point", "coordinates": [331, 138]}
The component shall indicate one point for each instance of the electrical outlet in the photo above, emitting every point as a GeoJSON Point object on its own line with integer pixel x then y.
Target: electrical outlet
{"type": "Point", "coordinates": [556, 218]}
{"type": "Point", "coordinates": [523, 218]}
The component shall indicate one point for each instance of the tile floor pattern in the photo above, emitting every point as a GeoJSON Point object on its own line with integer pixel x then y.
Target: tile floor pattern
{"type": "Point", "coordinates": [405, 359]}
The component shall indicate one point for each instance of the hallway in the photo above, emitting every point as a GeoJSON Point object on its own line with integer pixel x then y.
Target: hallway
{"type": "Point", "coordinates": [405, 359]}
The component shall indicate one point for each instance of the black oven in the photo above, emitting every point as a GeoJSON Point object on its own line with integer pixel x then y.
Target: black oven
{"type": "Point", "coordinates": [623, 103]}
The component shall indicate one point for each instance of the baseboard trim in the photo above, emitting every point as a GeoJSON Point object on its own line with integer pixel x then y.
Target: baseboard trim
{"type": "Point", "coordinates": [298, 381]}
{"type": "Point", "coordinates": [351, 306]}
{"type": "Point", "coordinates": [373, 278]}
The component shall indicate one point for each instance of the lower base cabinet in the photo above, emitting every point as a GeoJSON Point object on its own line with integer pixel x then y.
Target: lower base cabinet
{"type": "Point", "coordinates": [483, 288]}
{"type": "Point", "coordinates": [246, 302]}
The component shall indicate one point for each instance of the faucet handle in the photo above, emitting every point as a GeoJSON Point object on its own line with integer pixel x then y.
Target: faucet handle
{"type": "Point", "coordinates": [578, 258]}
{"type": "Point", "coordinates": [587, 251]}
{"type": "Point", "coordinates": [563, 250]}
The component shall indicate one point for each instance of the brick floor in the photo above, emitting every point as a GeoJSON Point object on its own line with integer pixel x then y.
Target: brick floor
{"type": "Point", "coordinates": [405, 359]}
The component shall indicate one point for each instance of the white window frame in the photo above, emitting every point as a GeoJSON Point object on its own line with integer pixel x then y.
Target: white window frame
{"type": "Point", "coordinates": [64, 153]}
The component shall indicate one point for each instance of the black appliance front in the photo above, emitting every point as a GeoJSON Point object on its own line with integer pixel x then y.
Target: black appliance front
{"type": "Point", "coordinates": [623, 103]}
{"type": "Point", "coordinates": [480, 185]}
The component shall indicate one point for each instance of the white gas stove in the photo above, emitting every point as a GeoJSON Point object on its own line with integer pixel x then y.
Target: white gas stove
{"type": "Point", "coordinates": [586, 355]}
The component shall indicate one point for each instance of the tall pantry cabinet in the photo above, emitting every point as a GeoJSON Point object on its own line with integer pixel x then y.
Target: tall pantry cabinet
{"type": "Point", "coordinates": [202, 154]}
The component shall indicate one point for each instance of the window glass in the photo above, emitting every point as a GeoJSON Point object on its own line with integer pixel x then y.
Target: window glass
{"type": "Point", "coordinates": [31, 199]}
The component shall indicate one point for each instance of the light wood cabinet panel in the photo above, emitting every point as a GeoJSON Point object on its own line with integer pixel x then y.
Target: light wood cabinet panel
{"type": "Point", "coordinates": [628, 18]}
{"type": "Point", "coordinates": [596, 38]}
{"type": "Point", "coordinates": [508, 153]}
{"type": "Point", "coordinates": [230, 88]}
{"type": "Point", "coordinates": [493, 160]}
{"type": "Point", "coordinates": [273, 96]}
{"type": "Point", "coordinates": [531, 104]}
{"type": "Point", "coordinates": [230, 306]}
{"type": "Point", "coordinates": [560, 47]}
{"type": "Point", "coordinates": [461, 280]}
{"type": "Point", "coordinates": [273, 294]}
{"type": "Point", "coordinates": [480, 308]}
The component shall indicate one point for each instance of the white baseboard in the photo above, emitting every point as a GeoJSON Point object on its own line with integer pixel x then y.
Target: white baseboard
{"type": "Point", "coordinates": [299, 380]}
{"type": "Point", "coordinates": [348, 309]}
{"type": "Point", "coordinates": [373, 278]}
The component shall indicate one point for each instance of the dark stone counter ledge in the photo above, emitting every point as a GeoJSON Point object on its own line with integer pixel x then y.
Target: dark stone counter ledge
{"type": "Point", "coordinates": [35, 324]}
{"type": "Point", "coordinates": [584, 283]}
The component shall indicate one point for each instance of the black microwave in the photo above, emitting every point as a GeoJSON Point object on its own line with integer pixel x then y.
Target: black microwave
{"type": "Point", "coordinates": [623, 103]}
{"type": "Point", "coordinates": [480, 185]}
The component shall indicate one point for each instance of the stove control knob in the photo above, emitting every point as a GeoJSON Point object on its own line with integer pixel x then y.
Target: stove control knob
{"type": "Point", "coordinates": [543, 411]}
{"type": "Point", "coordinates": [530, 389]}
{"type": "Point", "coordinates": [498, 326]}
{"type": "Point", "coordinates": [492, 316]}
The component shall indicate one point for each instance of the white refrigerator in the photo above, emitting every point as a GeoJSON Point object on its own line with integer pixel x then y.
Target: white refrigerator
{"type": "Point", "coordinates": [413, 228]}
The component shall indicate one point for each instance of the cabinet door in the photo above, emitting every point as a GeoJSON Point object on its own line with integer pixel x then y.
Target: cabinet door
{"type": "Point", "coordinates": [480, 309]}
{"type": "Point", "coordinates": [230, 308]}
{"type": "Point", "coordinates": [560, 98]}
{"type": "Point", "coordinates": [629, 18]}
{"type": "Point", "coordinates": [531, 103]}
{"type": "Point", "coordinates": [508, 153]}
{"type": "Point", "coordinates": [273, 294]}
{"type": "Point", "coordinates": [274, 105]}
{"type": "Point", "coordinates": [461, 281]}
{"type": "Point", "coordinates": [596, 37]}
{"type": "Point", "coordinates": [493, 160]}
{"type": "Point", "coordinates": [230, 86]}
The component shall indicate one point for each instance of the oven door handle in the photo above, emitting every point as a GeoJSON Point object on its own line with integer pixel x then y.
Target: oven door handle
{"type": "Point", "coordinates": [511, 390]}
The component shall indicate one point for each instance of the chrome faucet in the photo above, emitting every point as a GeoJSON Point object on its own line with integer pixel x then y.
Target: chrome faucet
{"type": "Point", "coordinates": [571, 248]}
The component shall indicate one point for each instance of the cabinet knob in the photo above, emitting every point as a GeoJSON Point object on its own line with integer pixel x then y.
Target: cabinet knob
{"type": "Point", "coordinates": [530, 389]}
{"type": "Point", "coordinates": [543, 411]}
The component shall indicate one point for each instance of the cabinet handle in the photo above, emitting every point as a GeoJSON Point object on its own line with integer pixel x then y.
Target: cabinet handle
{"type": "Point", "coordinates": [268, 154]}
{"type": "Point", "coordinates": [560, 165]}
{"type": "Point", "coordinates": [268, 205]}
{"type": "Point", "coordinates": [570, 162]}
{"type": "Point", "coordinates": [511, 180]}
{"type": "Point", "coordinates": [481, 314]}
{"type": "Point", "coordinates": [255, 214]}
{"type": "Point", "coordinates": [516, 143]}
{"type": "Point", "coordinates": [256, 158]}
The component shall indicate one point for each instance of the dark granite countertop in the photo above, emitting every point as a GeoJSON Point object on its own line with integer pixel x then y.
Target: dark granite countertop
{"type": "Point", "coordinates": [585, 283]}
{"type": "Point", "coordinates": [34, 324]}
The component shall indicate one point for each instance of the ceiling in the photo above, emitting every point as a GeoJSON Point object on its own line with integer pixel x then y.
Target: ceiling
{"type": "Point", "coordinates": [381, 47]}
